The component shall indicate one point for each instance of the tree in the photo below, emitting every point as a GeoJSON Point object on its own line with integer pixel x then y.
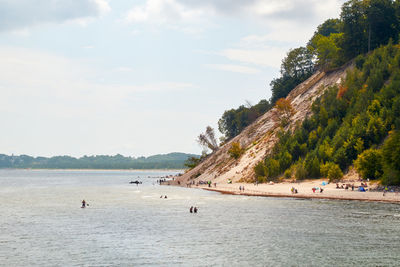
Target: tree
{"type": "Point", "coordinates": [328, 51]}
{"type": "Point", "coordinates": [297, 63]}
{"type": "Point", "coordinates": [192, 162]}
{"type": "Point", "coordinates": [296, 67]}
{"type": "Point", "coordinates": [367, 24]}
{"type": "Point", "coordinates": [327, 28]}
{"type": "Point", "coordinates": [233, 121]}
{"type": "Point", "coordinates": [355, 36]}
{"type": "Point", "coordinates": [369, 164]}
{"type": "Point", "coordinates": [208, 140]}
{"type": "Point", "coordinates": [331, 170]}
{"type": "Point", "coordinates": [285, 111]}
{"type": "Point", "coordinates": [334, 173]}
{"type": "Point", "coordinates": [382, 22]}
{"type": "Point", "coordinates": [282, 86]}
{"type": "Point", "coordinates": [391, 159]}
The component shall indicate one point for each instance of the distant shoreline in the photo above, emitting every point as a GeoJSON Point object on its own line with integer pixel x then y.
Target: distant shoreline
{"type": "Point", "coordinates": [47, 169]}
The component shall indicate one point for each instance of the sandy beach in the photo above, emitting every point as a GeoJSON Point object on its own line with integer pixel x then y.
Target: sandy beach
{"type": "Point", "coordinates": [304, 190]}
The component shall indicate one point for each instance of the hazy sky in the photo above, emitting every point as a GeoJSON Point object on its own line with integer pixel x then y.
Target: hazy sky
{"type": "Point", "coordinates": [134, 77]}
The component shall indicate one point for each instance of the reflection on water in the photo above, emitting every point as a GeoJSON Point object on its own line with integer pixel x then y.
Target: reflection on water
{"type": "Point", "coordinates": [42, 224]}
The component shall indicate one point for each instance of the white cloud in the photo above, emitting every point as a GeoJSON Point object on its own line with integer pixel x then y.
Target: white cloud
{"type": "Point", "coordinates": [124, 69]}
{"type": "Point", "coordinates": [234, 68]}
{"type": "Point", "coordinates": [287, 27]}
{"type": "Point", "coordinates": [173, 11]}
{"type": "Point", "coordinates": [164, 11]}
{"type": "Point", "coordinates": [66, 86]}
{"type": "Point", "coordinates": [88, 46]}
{"type": "Point", "coordinates": [23, 14]}
{"type": "Point", "coordinates": [269, 57]}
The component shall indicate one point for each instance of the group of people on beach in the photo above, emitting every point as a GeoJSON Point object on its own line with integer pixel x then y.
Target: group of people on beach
{"type": "Point", "coordinates": [163, 196]}
{"type": "Point", "coordinates": [193, 209]}
{"type": "Point", "coordinates": [294, 190]}
{"type": "Point", "coordinates": [316, 188]}
{"type": "Point", "coordinates": [241, 188]}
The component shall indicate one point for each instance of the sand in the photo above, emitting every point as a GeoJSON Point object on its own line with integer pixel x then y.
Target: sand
{"type": "Point", "coordinates": [304, 191]}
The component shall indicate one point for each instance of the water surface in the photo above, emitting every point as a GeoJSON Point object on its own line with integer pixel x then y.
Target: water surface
{"type": "Point", "coordinates": [42, 224]}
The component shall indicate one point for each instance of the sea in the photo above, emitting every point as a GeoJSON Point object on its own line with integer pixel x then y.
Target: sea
{"type": "Point", "coordinates": [42, 224]}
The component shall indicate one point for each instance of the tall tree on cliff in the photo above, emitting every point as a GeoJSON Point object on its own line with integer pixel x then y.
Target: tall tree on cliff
{"type": "Point", "coordinates": [208, 139]}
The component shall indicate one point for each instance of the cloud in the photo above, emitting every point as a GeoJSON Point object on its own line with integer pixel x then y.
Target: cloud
{"type": "Point", "coordinates": [288, 24]}
{"type": "Point", "coordinates": [234, 68]}
{"type": "Point", "coordinates": [65, 86]}
{"type": "Point", "coordinates": [22, 14]}
{"type": "Point", "coordinates": [164, 11]}
{"type": "Point", "coordinates": [267, 57]}
{"type": "Point", "coordinates": [173, 11]}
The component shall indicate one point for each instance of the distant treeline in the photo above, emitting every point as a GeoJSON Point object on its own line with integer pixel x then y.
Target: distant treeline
{"type": "Point", "coordinates": [166, 161]}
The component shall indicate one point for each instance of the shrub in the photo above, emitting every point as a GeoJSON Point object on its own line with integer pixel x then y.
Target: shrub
{"type": "Point", "coordinates": [331, 170]}
{"type": "Point", "coordinates": [285, 111]}
{"type": "Point", "coordinates": [259, 170]}
{"type": "Point", "coordinates": [301, 172]}
{"type": "Point", "coordinates": [272, 168]}
{"type": "Point", "coordinates": [236, 150]}
{"type": "Point", "coordinates": [334, 173]}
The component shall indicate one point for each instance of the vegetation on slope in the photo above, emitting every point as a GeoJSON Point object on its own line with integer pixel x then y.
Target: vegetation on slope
{"type": "Point", "coordinates": [350, 123]}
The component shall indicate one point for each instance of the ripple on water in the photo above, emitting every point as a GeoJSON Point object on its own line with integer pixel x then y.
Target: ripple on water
{"type": "Point", "coordinates": [42, 224]}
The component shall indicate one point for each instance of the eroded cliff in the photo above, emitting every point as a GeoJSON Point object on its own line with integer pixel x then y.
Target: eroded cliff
{"type": "Point", "coordinates": [259, 138]}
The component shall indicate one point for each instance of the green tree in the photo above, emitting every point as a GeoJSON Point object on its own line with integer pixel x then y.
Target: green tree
{"type": "Point", "coordinates": [297, 63]}
{"type": "Point", "coordinates": [391, 159]}
{"type": "Point", "coordinates": [334, 173]}
{"type": "Point", "coordinates": [369, 164]}
{"type": "Point", "coordinates": [328, 51]}
{"type": "Point", "coordinates": [355, 36]}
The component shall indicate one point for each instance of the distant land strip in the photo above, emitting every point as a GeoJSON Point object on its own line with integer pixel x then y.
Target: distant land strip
{"type": "Point", "coordinates": [173, 160]}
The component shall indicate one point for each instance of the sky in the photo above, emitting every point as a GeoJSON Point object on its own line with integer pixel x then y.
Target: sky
{"type": "Point", "coordinates": [138, 78]}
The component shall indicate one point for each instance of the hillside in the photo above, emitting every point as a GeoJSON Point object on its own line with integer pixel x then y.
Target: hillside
{"type": "Point", "coordinates": [341, 117]}
{"type": "Point", "coordinates": [165, 161]}
{"type": "Point", "coordinates": [258, 138]}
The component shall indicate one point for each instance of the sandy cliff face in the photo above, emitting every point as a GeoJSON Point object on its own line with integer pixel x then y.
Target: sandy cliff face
{"type": "Point", "coordinates": [259, 138]}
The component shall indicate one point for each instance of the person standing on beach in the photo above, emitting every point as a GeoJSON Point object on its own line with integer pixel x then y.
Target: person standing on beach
{"type": "Point", "coordinates": [191, 209]}
{"type": "Point", "coordinates": [83, 204]}
{"type": "Point", "coordinates": [195, 210]}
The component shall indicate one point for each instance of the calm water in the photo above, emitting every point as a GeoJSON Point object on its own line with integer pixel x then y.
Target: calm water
{"type": "Point", "coordinates": [42, 224]}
